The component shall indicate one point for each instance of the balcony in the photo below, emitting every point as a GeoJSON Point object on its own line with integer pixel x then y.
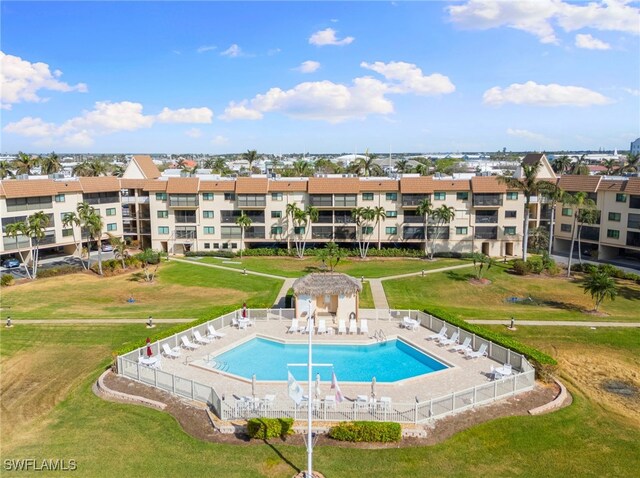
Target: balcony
{"type": "Point", "coordinates": [345, 200]}
{"type": "Point", "coordinates": [101, 198]}
{"type": "Point", "coordinates": [413, 232]}
{"type": "Point", "coordinates": [344, 218]}
{"type": "Point", "coordinates": [487, 200]}
{"type": "Point", "coordinates": [321, 200]}
{"type": "Point", "coordinates": [413, 218]}
{"type": "Point", "coordinates": [325, 217]}
{"type": "Point", "coordinates": [185, 235]}
{"type": "Point", "coordinates": [251, 200]}
{"type": "Point", "coordinates": [590, 233]}
{"type": "Point", "coordinates": [438, 232]}
{"type": "Point", "coordinates": [254, 232]}
{"type": "Point", "coordinates": [134, 200]}
{"type": "Point", "coordinates": [322, 232]}
{"type": "Point", "coordinates": [255, 216]}
{"type": "Point", "coordinates": [634, 202]}
{"type": "Point", "coordinates": [183, 200]}
{"type": "Point", "coordinates": [491, 218]}
{"type": "Point", "coordinates": [229, 217]}
{"type": "Point", "coordinates": [633, 239]}
{"type": "Point", "coordinates": [345, 233]}
{"type": "Point", "coordinates": [485, 233]}
{"type": "Point", "coordinates": [186, 217]}
{"type": "Point", "coordinates": [231, 232]}
{"type": "Point", "coordinates": [413, 200]}
{"type": "Point", "coordinates": [633, 222]}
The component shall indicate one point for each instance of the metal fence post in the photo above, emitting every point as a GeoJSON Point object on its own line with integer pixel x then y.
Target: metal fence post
{"type": "Point", "coordinates": [415, 413]}
{"type": "Point", "coordinates": [475, 389]}
{"type": "Point", "coordinates": [173, 384]}
{"type": "Point", "coordinates": [495, 389]}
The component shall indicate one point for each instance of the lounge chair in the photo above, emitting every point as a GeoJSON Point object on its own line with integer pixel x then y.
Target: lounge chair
{"type": "Point", "coordinates": [267, 402]}
{"type": "Point", "coordinates": [439, 335]}
{"type": "Point", "coordinates": [307, 328]}
{"type": "Point", "coordinates": [481, 352]}
{"type": "Point", "coordinates": [353, 326]}
{"type": "Point", "coordinates": [330, 402]}
{"type": "Point", "coordinates": [294, 327]}
{"type": "Point", "coordinates": [322, 326]}
{"type": "Point", "coordinates": [170, 352]}
{"type": "Point", "coordinates": [213, 333]}
{"type": "Point", "coordinates": [361, 402]}
{"type": "Point", "coordinates": [364, 327]}
{"type": "Point", "coordinates": [384, 403]}
{"type": "Point", "coordinates": [493, 374]}
{"type": "Point", "coordinates": [342, 328]}
{"type": "Point", "coordinates": [464, 346]}
{"type": "Point", "coordinates": [187, 344]}
{"type": "Point", "coordinates": [200, 339]}
{"type": "Point", "coordinates": [451, 340]}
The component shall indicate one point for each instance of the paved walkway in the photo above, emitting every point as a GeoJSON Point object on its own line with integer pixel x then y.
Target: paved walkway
{"type": "Point", "coordinates": [96, 321]}
{"type": "Point", "coordinates": [281, 299]}
{"type": "Point", "coordinates": [562, 323]}
{"type": "Point", "coordinates": [432, 271]}
{"type": "Point", "coordinates": [241, 271]}
{"type": "Point", "coordinates": [379, 297]}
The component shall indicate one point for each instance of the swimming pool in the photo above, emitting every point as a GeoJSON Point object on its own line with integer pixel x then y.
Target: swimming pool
{"type": "Point", "coordinates": [388, 361]}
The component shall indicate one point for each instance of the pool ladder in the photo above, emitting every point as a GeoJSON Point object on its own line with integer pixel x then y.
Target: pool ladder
{"type": "Point", "coordinates": [379, 335]}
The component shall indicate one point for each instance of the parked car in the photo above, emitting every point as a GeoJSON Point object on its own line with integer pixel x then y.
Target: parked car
{"type": "Point", "coordinates": [11, 263]}
{"type": "Point", "coordinates": [106, 247]}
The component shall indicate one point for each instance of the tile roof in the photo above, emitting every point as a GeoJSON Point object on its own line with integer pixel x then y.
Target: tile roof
{"type": "Point", "coordinates": [285, 185]}
{"type": "Point", "coordinates": [487, 184]}
{"type": "Point", "coordinates": [182, 185]}
{"type": "Point", "coordinates": [99, 184]}
{"type": "Point", "coordinates": [26, 188]}
{"type": "Point", "coordinates": [611, 185]}
{"type": "Point", "coordinates": [155, 185]}
{"type": "Point", "coordinates": [451, 185]}
{"type": "Point", "coordinates": [147, 166]}
{"type": "Point", "coordinates": [252, 185]}
{"type": "Point", "coordinates": [576, 182]}
{"type": "Point", "coordinates": [381, 185]}
{"type": "Point", "coordinates": [633, 186]}
{"type": "Point", "coordinates": [334, 185]}
{"type": "Point", "coordinates": [127, 183]}
{"type": "Point", "coordinates": [1, 190]}
{"type": "Point", "coordinates": [423, 184]}
{"type": "Point", "coordinates": [532, 158]}
{"type": "Point", "coordinates": [211, 186]}
{"type": "Point", "coordinates": [68, 186]}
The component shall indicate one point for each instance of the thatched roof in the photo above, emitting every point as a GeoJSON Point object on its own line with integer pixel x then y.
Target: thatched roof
{"type": "Point", "coordinates": [326, 283]}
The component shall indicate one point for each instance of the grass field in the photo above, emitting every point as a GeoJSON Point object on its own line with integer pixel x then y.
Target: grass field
{"type": "Point", "coordinates": [555, 298]}
{"type": "Point", "coordinates": [293, 267]}
{"type": "Point", "coordinates": [49, 411]}
{"type": "Point", "coordinates": [180, 291]}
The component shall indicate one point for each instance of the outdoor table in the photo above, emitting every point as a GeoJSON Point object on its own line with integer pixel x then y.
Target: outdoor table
{"type": "Point", "coordinates": [504, 371]}
{"type": "Point", "coordinates": [149, 362]}
{"type": "Point", "coordinates": [243, 323]}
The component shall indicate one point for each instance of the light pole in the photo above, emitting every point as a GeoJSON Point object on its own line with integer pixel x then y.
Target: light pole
{"type": "Point", "coordinates": [309, 401]}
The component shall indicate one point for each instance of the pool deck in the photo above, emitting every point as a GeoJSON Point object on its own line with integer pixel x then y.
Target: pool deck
{"type": "Point", "coordinates": [462, 374]}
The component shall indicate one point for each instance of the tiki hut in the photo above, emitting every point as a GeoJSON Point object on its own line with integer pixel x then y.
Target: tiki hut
{"type": "Point", "coordinates": [327, 294]}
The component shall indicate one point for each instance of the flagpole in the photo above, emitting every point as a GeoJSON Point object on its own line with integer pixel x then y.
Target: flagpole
{"type": "Point", "coordinates": [309, 401]}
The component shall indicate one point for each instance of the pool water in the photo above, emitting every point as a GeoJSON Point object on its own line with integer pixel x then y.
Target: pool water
{"type": "Point", "coordinates": [387, 361]}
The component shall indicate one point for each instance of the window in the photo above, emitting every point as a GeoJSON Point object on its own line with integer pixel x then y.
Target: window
{"type": "Point", "coordinates": [510, 231]}
{"type": "Point", "coordinates": [439, 196]}
{"type": "Point", "coordinates": [367, 196]}
{"type": "Point", "coordinates": [276, 214]}
{"type": "Point", "coordinates": [207, 245]}
{"type": "Point", "coordinates": [59, 198]}
{"type": "Point", "coordinates": [161, 196]}
{"type": "Point", "coordinates": [367, 230]}
{"type": "Point", "coordinates": [163, 214]}
{"type": "Point", "coordinates": [225, 246]}
{"type": "Point", "coordinates": [512, 195]}
{"type": "Point", "coordinates": [276, 196]}
{"type": "Point", "coordinates": [209, 230]}
{"type": "Point", "coordinates": [392, 196]}
{"type": "Point", "coordinates": [613, 233]}
{"type": "Point", "coordinates": [229, 196]}
{"type": "Point", "coordinates": [462, 196]}
{"type": "Point", "coordinates": [391, 230]}
{"type": "Point", "coordinates": [567, 211]}
{"type": "Point", "coordinates": [111, 211]}
{"type": "Point", "coordinates": [392, 213]}
{"type": "Point", "coordinates": [508, 214]}
{"type": "Point", "coordinates": [207, 214]}
{"type": "Point", "coordinates": [234, 245]}
{"type": "Point", "coordinates": [276, 229]}
{"type": "Point", "coordinates": [207, 196]}
{"type": "Point", "coordinates": [565, 227]}
{"type": "Point", "coordinates": [298, 230]}
{"type": "Point", "coordinates": [67, 232]}
{"type": "Point", "coordinates": [216, 245]}
{"type": "Point", "coordinates": [620, 197]}
{"type": "Point", "coordinates": [112, 227]}
{"type": "Point", "coordinates": [163, 229]}
{"type": "Point", "coordinates": [462, 231]}
{"type": "Point", "coordinates": [615, 216]}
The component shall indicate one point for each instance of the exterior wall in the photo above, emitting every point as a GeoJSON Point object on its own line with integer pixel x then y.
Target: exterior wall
{"type": "Point", "coordinates": [635, 146]}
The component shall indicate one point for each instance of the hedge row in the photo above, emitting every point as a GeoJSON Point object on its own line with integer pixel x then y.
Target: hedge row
{"type": "Point", "coordinates": [611, 270]}
{"type": "Point", "coordinates": [264, 428]}
{"type": "Point", "coordinates": [543, 363]}
{"type": "Point", "coordinates": [6, 280]}
{"type": "Point", "coordinates": [225, 254]}
{"type": "Point", "coordinates": [381, 432]}
{"type": "Point", "coordinates": [58, 271]}
{"type": "Point", "coordinates": [310, 252]}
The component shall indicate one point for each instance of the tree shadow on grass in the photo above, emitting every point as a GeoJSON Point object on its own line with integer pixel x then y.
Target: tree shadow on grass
{"type": "Point", "coordinates": [282, 457]}
{"type": "Point", "coordinates": [459, 276]}
{"type": "Point", "coordinates": [628, 293]}
{"type": "Point", "coordinates": [310, 269]}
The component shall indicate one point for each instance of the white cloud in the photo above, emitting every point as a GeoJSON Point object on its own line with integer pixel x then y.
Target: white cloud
{"type": "Point", "coordinates": [523, 133]}
{"type": "Point", "coordinates": [308, 66]}
{"type": "Point", "coordinates": [273, 51]}
{"type": "Point", "coordinates": [328, 37]}
{"type": "Point", "coordinates": [538, 17]}
{"type": "Point", "coordinates": [408, 78]}
{"type": "Point", "coordinates": [590, 43]}
{"type": "Point", "coordinates": [531, 93]}
{"type": "Point", "coordinates": [205, 48]}
{"type": "Point", "coordinates": [21, 80]}
{"type": "Point", "coordinates": [193, 133]}
{"type": "Point", "coordinates": [185, 115]}
{"type": "Point", "coordinates": [632, 91]}
{"type": "Point", "coordinates": [233, 51]}
{"type": "Point", "coordinates": [240, 111]}
{"type": "Point", "coordinates": [219, 140]}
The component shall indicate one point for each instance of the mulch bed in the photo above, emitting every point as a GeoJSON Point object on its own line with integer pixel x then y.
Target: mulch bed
{"type": "Point", "coordinates": [195, 421]}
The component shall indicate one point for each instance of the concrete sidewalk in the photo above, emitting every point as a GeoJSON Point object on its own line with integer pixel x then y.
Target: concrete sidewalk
{"type": "Point", "coordinates": [560, 323]}
{"type": "Point", "coordinates": [231, 269]}
{"type": "Point", "coordinates": [96, 321]}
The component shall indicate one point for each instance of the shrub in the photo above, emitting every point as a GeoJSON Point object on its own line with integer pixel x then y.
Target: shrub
{"type": "Point", "coordinates": [264, 428]}
{"type": "Point", "coordinates": [58, 271]}
{"type": "Point", "coordinates": [268, 251]}
{"type": "Point", "coordinates": [6, 280]}
{"type": "Point", "coordinates": [520, 267]}
{"type": "Point", "coordinates": [535, 264]}
{"type": "Point", "coordinates": [366, 432]}
{"type": "Point", "coordinates": [226, 254]}
{"type": "Point", "coordinates": [610, 270]}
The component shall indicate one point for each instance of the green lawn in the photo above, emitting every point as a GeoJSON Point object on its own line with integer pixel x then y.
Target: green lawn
{"type": "Point", "coordinates": [108, 439]}
{"type": "Point", "coordinates": [555, 298]}
{"type": "Point", "coordinates": [366, 299]}
{"type": "Point", "coordinates": [180, 291]}
{"type": "Point", "coordinates": [374, 267]}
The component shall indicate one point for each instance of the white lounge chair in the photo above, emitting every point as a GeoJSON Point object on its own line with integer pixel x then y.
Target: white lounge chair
{"type": "Point", "coordinates": [307, 328]}
{"type": "Point", "coordinates": [464, 346]}
{"type": "Point", "coordinates": [213, 333]}
{"type": "Point", "coordinates": [451, 340]}
{"type": "Point", "coordinates": [361, 402]}
{"type": "Point", "coordinates": [364, 327]}
{"type": "Point", "coordinates": [200, 339]}
{"type": "Point", "coordinates": [342, 328]}
{"type": "Point", "coordinates": [322, 326]}
{"type": "Point", "coordinates": [439, 335]}
{"type": "Point", "coordinates": [187, 344]}
{"type": "Point", "coordinates": [294, 327]}
{"type": "Point", "coordinates": [267, 402]}
{"type": "Point", "coordinates": [330, 402]}
{"type": "Point", "coordinates": [353, 326]}
{"type": "Point", "coordinates": [481, 352]}
{"type": "Point", "coordinates": [384, 403]}
{"type": "Point", "coordinates": [170, 352]}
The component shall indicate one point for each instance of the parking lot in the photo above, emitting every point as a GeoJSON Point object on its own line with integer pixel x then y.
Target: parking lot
{"type": "Point", "coordinates": [54, 260]}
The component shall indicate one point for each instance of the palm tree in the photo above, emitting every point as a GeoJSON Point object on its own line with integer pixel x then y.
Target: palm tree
{"type": "Point", "coordinates": [367, 165]}
{"type": "Point", "coordinates": [425, 209]}
{"type": "Point", "coordinates": [577, 201]}
{"type": "Point", "coordinates": [423, 169]}
{"type": "Point", "coordinates": [632, 164]}
{"type": "Point", "coordinates": [611, 165]}
{"type": "Point", "coordinates": [554, 195]}
{"type": "Point", "coordinates": [51, 164]}
{"type": "Point", "coordinates": [98, 168]}
{"type": "Point", "coordinates": [302, 168]}
{"type": "Point", "coordinates": [72, 220]}
{"type": "Point", "coordinates": [379, 214]}
{"type": "Point", "coordinates": [601, 286]}
{"type": "Point", "coordinates": [25, 163]}
{"type": "Point", "coordinates": [38, 222]}
{"type": "Point", "coordinates": [83, 169]}
{"type": "Point", "coordinates": [119, 249]}
{"type": "Point", "coordinates": [218, 165]}
{"type": "Point", "coordinates": [85, 211]}
{"type": "Point", "coordinates": [539, 239]}
{"type": "Point", "coordinates": [5, 170]}
{"type": "Point", "coordinates": [311, 214]}
{"type": "Point", "coordinates": [562, 164]}
{"type": "Point", "coordinates": [363, 217]}
{"type": "Point", "coordinates": [443, 215]}
{"type": "Point", "coordinates": [95, 226]}
{"type": "Point", "coordinates": [402, 166]}
{"type": "Point", "coordinates": [251, 156]}
{"type": "Point", "coordinates": [330, 255]}
{"type": "Point", "coordinates": [290, 211]}
{"type": "Point", "coordinates": [580, 167]}
{"type": "Point", "coordinates": [481, 264]}
{"type": "Point", "coordinates": [299, 219]}
{"type": "Point", "coordinates": [117, 170]}
{"type": "Point", "coordinates": [585, 216]}
{"type": "Point", "coordinates": [243, 221]}
{"type": "Point", "coordinates": [530, 186]}
{"type": "Point", "coordinates": [14, 230]}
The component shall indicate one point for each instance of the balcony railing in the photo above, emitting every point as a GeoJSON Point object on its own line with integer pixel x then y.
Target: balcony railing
{"type": "Point", "coordinates": [413, 233]}
{"type": "Point", "coordinates": [413, 219]}
{"type": "Point", "coordinates": [633, 239]}
{"type": "Point", "coordinates": [254, 233]}
{"type": "Point", "coordinates": [590, 233]}
{"type": "Point", "coordinates": [493, 219]}
{"type": "Point", "coordinates": [633, 222]}
{"type": "Point", "coordinates": [186, 219]}
{"type": "Point", "coordinates": [486, 233]}
{"type": "Point", "coordinates": [325, 217]}
{"type": "Point", "coordinates": [182, 202]}
{"type": "Point", "coordinates": [344, 219]}
{"type": "Point", "coordinates": [487, 200]}
{"type": "Point", "coordinates": [345, 233]}
{"type": "Point", "coordinates": [321, 232]}
{"type": "Point", "coordinates": [413, 200]}
{"type": "Point", "coordinates": [186, 235]}
{"type": "Point", "coordinates": [321, 200]}
{"type": "Point", "coordinates": [259, 201]}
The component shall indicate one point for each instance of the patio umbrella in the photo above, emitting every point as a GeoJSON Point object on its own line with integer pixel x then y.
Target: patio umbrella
{"type": "Point", "coordinates": [317, 388]}
{"type": "Point", "coordinates": [149, 351]}
{"type": "Point", "coordinates": [253, 386]}
{"type": "Point", "coordinates": [373, 387]}
{"type": "Point", "coordinates": [244, 310]}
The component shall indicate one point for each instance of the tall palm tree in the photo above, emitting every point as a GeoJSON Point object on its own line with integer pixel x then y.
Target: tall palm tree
{"type": "Point", "coordinates": [98, 168]}
{"type": "Point", "coordinates": [117, 170]}
{"type": "Point", "coordinates": [95, 227]}
{"type": "Point", "coordinates": [38, 222]}
{"type": "Point", "coordinates": [580, 167]}
{"type": "Point", "coordinates": [577, 201]}
{"type": "Point", "coordinates": [367, 165]}
{"type": "Point", "coordinates": [51, 164]}
{"type": "Point", "coordinates": [119, 249]}
{"type": "Point", "coordinates": [25, 163]}
{"type": "Point", "coordinates": [600, 285]}
{"type": "Point", "coordinates": [217, 165]}
{"type": "Point", "coordinates": [402, 166]}
{"type": "Point", "coordinates": [14, 230]}
{"type": "Point", "coordinates": [312, 215]}
{"type": "Point", "coordinates": [83, 169]}
{"type": "Point", "coordinates": [586, 216]}
{"type": "Point", "coordinates": [562, 164]}
{"type": "Point", "coordinates": [290, 212]}
{"type": "Point", "coordinates": [443, 215]}
{"type": "Point", "coordinates": [632, 164]}
{"type": "Point", "coordinates": [555, 196]}
{"type": "Point", "coordinates": [611, 165]}
{"type": "Point", "coordinates": [251, 156]}
{"type": "Point", "coordinates": [302, 168]}
{"type": "Point", "coordinates": [363, 217]}
{"type": "Point", "coordinates": [379, 215]}
{"type": "Point", "coordinates": [72, 220]}
{"type": "Point", "coordinates": [84, 212]}
{"type": "Point", "coordinates": [423, 169]}
{"type": "Point", "coordinates": [425, 209]}
{"type": "Point", "coordinates": [6, 170]}
{"type": "Point", "coordinates": [243, 221]}
{"type": "Point", "coordinates": [300, 219]}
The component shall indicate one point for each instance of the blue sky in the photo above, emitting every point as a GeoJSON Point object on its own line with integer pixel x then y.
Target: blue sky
{"type": "Point", "coordinates": [473, 75]}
